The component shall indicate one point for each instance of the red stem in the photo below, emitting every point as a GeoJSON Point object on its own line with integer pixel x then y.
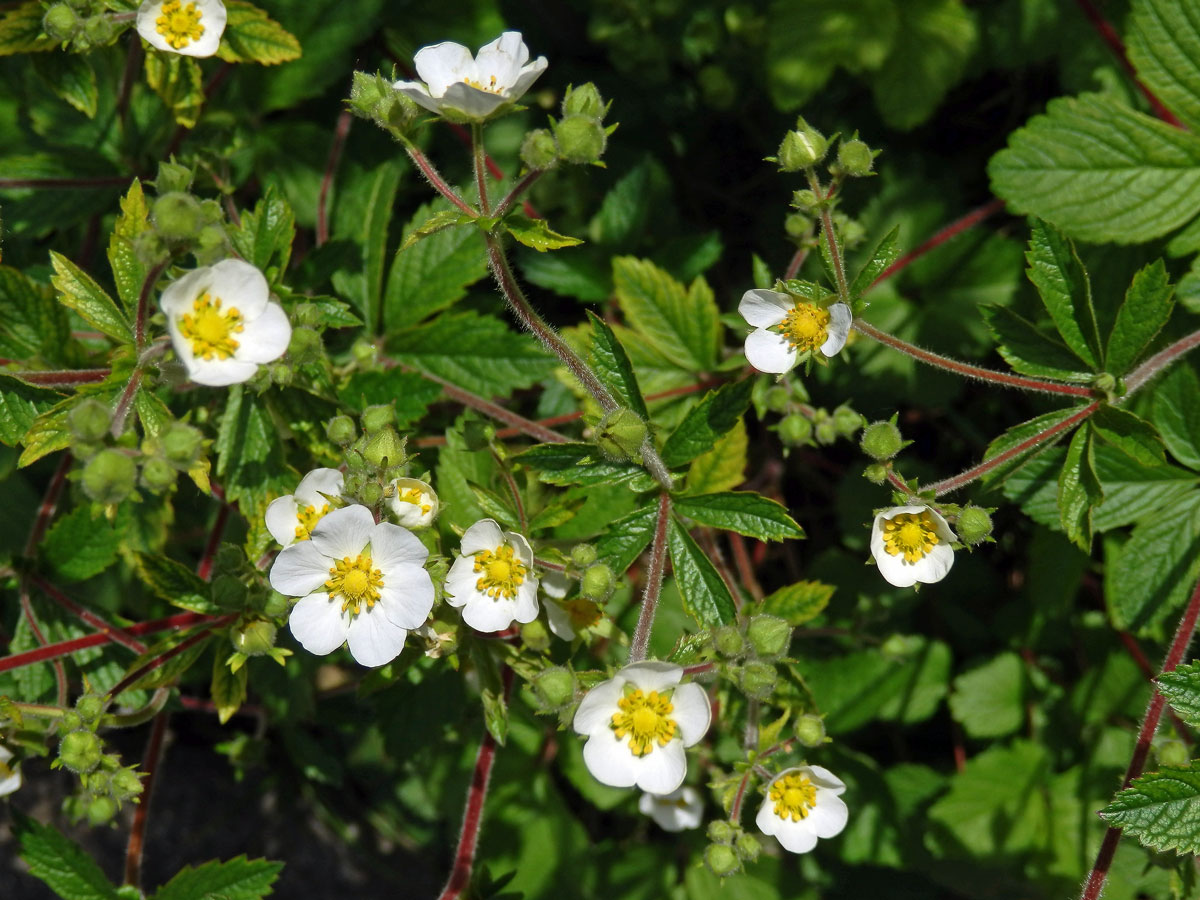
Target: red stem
{"type": "Point", "coordinates": [137, 833]}
{"type": "Point", "coordinates": [340, 133]}
{"type": "Point", "coordinates": [654, 578]}
{"type": "Point", "coordinates": [63, 378]}
{"type": "Point", "coordinates": [162, 659]}
{"type": "Point", "coordinates": [117, 635]}
{"type": "Point", "coordinates": [970, 220]}
{"type": "Point", "coordinates": [204, 567]}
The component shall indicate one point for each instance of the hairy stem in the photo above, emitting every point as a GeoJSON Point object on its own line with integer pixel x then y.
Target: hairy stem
{"type": "Point", "coordinates": [340, 132]}
{"type": "Point", "coordinates": [204, 567]}
{"type": "Point", "coordinates": [137, 834]}
{"type": "Point", "coordinates": [1159, 361]}
{"type": "Point", "coordinates": [640, 644]}
{"type": "Point", "coordinates": [63, 378]}
{"type": "Point", "coordinates": [518, 189]}
{"type": "Point", "coordinates": [436, 181]}
{"type": "Point", "coordinates": [479, 157]}
{"type": "Point", "coordinates": [162, 659]}
{"type": "Point", "coordinates": [827, 231]}
{"type": "Point", "coordinates": [499, 413]}
{"type": "Point", "coordinates": [115, 634]}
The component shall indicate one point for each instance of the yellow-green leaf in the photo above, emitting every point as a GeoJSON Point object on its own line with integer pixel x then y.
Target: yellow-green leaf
{"type": "Point", "coordinates": [179, 83]}
{"type": "Point", "coordinates": [251, 36]}
{"type": "Point", "coordinates": [21, 30]}
{"type": "Point", "coordinates": [77, 290]}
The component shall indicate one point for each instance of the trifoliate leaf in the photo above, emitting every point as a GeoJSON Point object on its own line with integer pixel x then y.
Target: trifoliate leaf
{"type": "Point", "coordinates": [705, 595]}
{"type": "Point", "coordinates": [741, 511]}
{"type": "Point", "coordinates": [60, 862]}
{"type": "Point", "coordinates": [1181, 687]}
{"type": "Point", "coordinates": [1161, 809]}
{"type": "Point", "coordinates": [1030, 351]}
{"type": "Point", "coordinates": [537, 234]}
{"type": "Point", "coordinates": [80, 292]}
{"type": "Point", "coordinates": [680, 322]}
{"type": "Point", "coordinates": [21, 30]}
{"type": "Point", "coordinates": [800, 602]}
{"type": "Point", "coordinates": [1163, 42]}
{"type": "Point", "coordinates": [235, 879]}
{"type": "Point", "coordinates": [250, 36]}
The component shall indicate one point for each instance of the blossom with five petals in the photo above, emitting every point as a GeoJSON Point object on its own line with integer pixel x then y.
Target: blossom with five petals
{"type": "Point", "coordinates": [413, 502]}
{"type": "Point", "coordinates": [493, 581]}
{"type": "Point", "coordinates": [801, 805]}
{"type": "Point", "coordinates": [187, 27]}
{"type": "Point", "coordinates": [911, 544]}
{"type": "Point", "coordinates": [292, 517]}
{"type": "Point", "coordinates": [680, 810]}
{"type": "Point", "coordinates": [787, 330]}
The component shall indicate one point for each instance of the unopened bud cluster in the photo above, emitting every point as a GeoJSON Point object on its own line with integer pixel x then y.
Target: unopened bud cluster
{"type": "Point", "coordinates": [80, 25]}
{"type": "Point", "coordinates": [731, 848]}
{"type": "Point", "coordinates": [808, 426]}
{"type": "Point", "coordinates": [579, 137]}
{"type": "Point", "coordinates": [181, 223]}
{"type": "Point", "coordinates": [105, 784]}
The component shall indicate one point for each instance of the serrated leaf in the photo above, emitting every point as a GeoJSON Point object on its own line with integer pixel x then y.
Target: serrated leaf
{"type": "Point", "coordinates": [886, 252]}
{"type": "Point", "coordinates": [1163, 42]}
{"type": "Point", "coordinates": [129, 273]}
{"type": "Point", "coordinates": [706, 597]}
{"type": "Point", "coordinates": [439, 221]}
{"type": "Point", "coordinates": [494, 506]}
{"type": "Point", "coordinates": [1177, 413]}
{"type": "Point", "coordinates": [72, 78]}
{"type": "Point", "coordinates": [707, 422]}
{"type": "Point", "coordinates": [179, 83]}
{"type": "Point", "coordinates": [1088, 165]}
{"type": "Point", "coordinates": [1146, 309]}
{"type": "Point", "coordinates": [412, 393]}
{"type": "Point", "coordinates": [1030, 351]}
{"type": "Point", "coordinates": [175, 583]}
{"type": "Point", "coordinates": [81, 544]}
{"type": "Point", "coordinates": [1181, 687]}
{"type": "Point", "coordinates": [250, 457]}
{"type": "Point", "coordinates": [577, 274]}
{"type": "Point", "coordinates": [576, 463]}
{"type": "Point", "coordinates": [612, 366]}
{"type": "Point", "coordinates": [554, 515]}
{"type": "Point", "coordinates": [60, 862]}
{"type": "Point", "coordinates": [48, 434]}
{"type": "Point", "coordinates": [1059, 276]}
{"type": "Point", "coordinates": [681, 323]}
{"type": "Point", "coordinates": [624, 540]}
{"type": "Point", "coordinates": [1132, 436]}
{"type": "Point", "coordinates": [152, 413]}
{"type": "Point", "coordinates": [989, 700]}
{"type": "Point", "coordinates": [800, 602]}
{"type": "Point", "coordinates": [20, 405]}
{"type": "Point", "coordinates": [235, 879]}
{"type": "Point", "coordinates": [1079, 489]}
{"type": "Point", "coordinates": [744, 512]}
{"type": "Point", "coordinates": [724, 466]}
{"type": "Point", "coordinates": [33, 324]}
{"type": "Point", "coordinates": [1152, 574]}
{"type": "Point", "coordinates": [537, 234]}
{"type": "Point", "coordinates": [266, 233]}
{"type": "Point", "coordinates": [250, 36]}
{"type": "Point", "coordinates": [21, 30]}
{"type": "Point", "coordinates": [79, 291]}
{"type": "Point", "coordinates": [228, 688]}
{"type": "Point", "coordinates": [626, 210]}
{"type": "Point", "coordinates": [364, 284]}
{"type": "Point", "coordinates": [1161, 809]}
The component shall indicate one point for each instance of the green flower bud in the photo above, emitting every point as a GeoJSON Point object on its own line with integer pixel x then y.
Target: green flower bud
{"type": "Point", "coordinates": [80, 751]}
{"type": "Point", "coordinates": [276, 604]}
{"type": "Point", "coordinates": [721, 860]}
{"type": "Point", "coordinates": [89, 421]}
{"type": "Point", "coordinates": [229, 592]}
{"type": "Point", "coordinates": [826, 432]}
{"type": "Point", "coordinates": [597, 583]}
{"type": "Point", "coordinates": [758, 679]}
{"type": "Point", "coordinates": [211, 241]}
{"type": "Point", "coordinates": [974, 525]}
{"type": "Point", "coordinates": [101, 810]}
{"type": "Point", "coordinates": [158, 475]}
{"type": "Point", "coordinates": [60, 22]}
{"type": "Point", "coordinates": [581, 139]}
{"type": "Point", "coordinates": [847, 421]}
{"type": "Point", "coordinates": [802, 148]}
{"type": "Point", "coordinates": [385, 448]}
{"type": "Point", "coordinates": [365, 353]}
{"type": "Point", "coordinates": [851, 230]}
{"type": "Point", "coordinates": [810, 730]}
{"type": "Point", "coordinates": [230, 558]}
{"type": "Point", "coordinates": [377, 418]}
{"type": "Point", "coordinates": [876, 473]}
{"type": "Point", "coordinates": [172, 177]}
{"type": "Point", "coordinates": [176, 216]}
{"type": "Point", "coordinates": [881, 440]}
{"type": "Point", "coordinates": [306, 314]}
{"type": "Point", "coordinates": [99, 30]}
{"type": "Point", "coordinates": [305, 346]}
{"type": "Point", "coordinates": [584, 100]}
{"type": "Point", "coordinates": [90, 707]}
{"type": "Point", "coordinates": [109, 762]}
{"type": "Point", "coordinates": [150, 248]}
{"type": "Point", "coordinates": [70, 721]}
{"type": "Point", "coordinates": [109, 476]}
{"type": "Point", "coordinates": [371, 493]}
{"type": "Point", "coordinates": [341, 430]}
{"type": "Point", "coordinates": [747, 847]}
{"type": "Point", "coordinates": [539, 150]}
{"type": "Point", "coordinates": [728, 641]}
{"type": "Point", "coordinates": [583, 555]}
{"type": "Point", "coordinates": [795, 430]}
{"type": "Point", "coordinates": [254, 637]}
{"type": "Point", "coordinates": [281, 374]}
{"type": "Point", "coordinates": [554, 687]}
{"type": "Point", "coordinates": [1171, 753]}
{"type": "Point", "coordinates": [720, 831]}
{"type": "Point", "coordinates": [620, 434]}
{"type": "Point", "coordinates": [769, 635]}
{"type": "Point", "coordinates": [778, 399]}
{"type": "Point", "coordinates": [182, 444]}
{"type": "Point", "coordinates": [536, 636]}
{"type": "Point", "coordinates": [855, 158]}
{"type": "Point", "coordinates": [373, 97]}
{"type": "Point", "coordinates": [798, 226]}
{"type": "Point", "coordinates": [126, 783]}
{"type": "Point", "coordinates": [807, 202]}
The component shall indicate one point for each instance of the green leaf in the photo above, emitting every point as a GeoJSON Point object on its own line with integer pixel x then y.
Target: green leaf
{"type": "Point", "coordinates": [724, 466]}
{"type": "Point", "coordinates": [369, 229]}
{"type": "Point", "coordinates": [168, 672]}
{"type": "Point", "coordinates": [78, 291]}
{"type": "Point", "coordinates": [59, 861]}
{"type": "Point", "coordinates": [20, 405]}
{"type": "Point", "coordinates": [681, 324]}
{"type": "Point", "coordinates": [612, 365]}
{"type": "Point", "coordinates": [1176, 413]}
{"type": "Point", "coordinates": [577, 274]}
{"type": "Point", "coordinates": [744, 512]}
{"type": "Point", "coordinates": [33, 324]}
{"type": "Point", "coordinates": [72, 78]}
{"type": "Point", "coordinates": [250, 459]}
{"type": "Point", "coordinates": [1181, 687]}
{"type": "Point", "coordinates": [412, 393]}
{"type": "Point", "coordinates": [179, 83]}
{"type": "Point", "coordinates": [250, 36]}
{"type": "Point", "coordinates": [1147, 306]}
{"type": "Point", "coordinates": [624, 540]}
{"type": "Point", "coordinates": [705, 595]}
{"type": "Point", "coordinates": [235, 879]}
{"type": "Point", "coordinates": [494, 506]}
{"type": "Point", "coordinates": [175, 583]}
{"type": "Point", "coordinates": [1030, 351]}
{"type": "Point", "coordinates": [1132, 436]}
{"type": "Point", "coordinates": [1154, 572]}
{"type": "Point", "coordinates": [81, 544]}
{"type": "Point", "coordinates": [129, 273]}
{"type": "Point", "coordinates": [1163, 42]}
{"type": "Point", "coordinates": [475, 352]}
{"type": "Point", "coordinates": [800, 602]}
{"type": "Point", "coordinates": [48, 433]}
{"type": "Point", "coordinates": [707, 422]}
{"type": "Point", "coordinates": [1161, 809]}
{"type": "Point", "coordinates": [537, 234]}
{"type": "Point", "coordinates": [574, 463]}
{"type": "Point", "coordinates": [434, 273]}
{"type": "Point", "coordinates": [266, 234]}
{"type": "Point", "coordinates": [629, 207]}
{"type": "Point", "coordinates": [1079, 489]}
{"type": "Point", "coordinates": [228, 688]}
{"type": "Point", "coordinates": [1059, 276]}
{"type": "Point", "coordinates": [439, 221]}
{"type": "Point", "coordinates": [1017, 436]}
{"type": "Point", "coordinates": [989, 700]}
{"type": "Point", "coordinates": [21, 30]}
{"type": "Point", "coordinates": [1088, 164]}
{"type": "Point", "coordinates": [886, 252]}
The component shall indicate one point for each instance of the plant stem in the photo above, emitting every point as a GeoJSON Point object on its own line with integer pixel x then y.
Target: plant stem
{"type": "Point", "coordinates": [741, 559]}
{"type": "Point", "coordinates": [124, 403]}
{"type": "Point", "coordinates": [1159, 361]}
{"type": "Point", "coordinates": [502, 465]}
{"type": "Point", "coordinates": [1179, 644]}
{"type": "Point", "coordinates": [517, 190]}
{"type": "Point", "coordinates": [436, 181]}
{"type": "Point", "coordinates": [117, 635]}
{"type": "Point", "coordinates": [163, 658]}
{"type": "Point", "coordinates": [499, 413]}
{"type": "Point", "coordinates": [137, 834]}
{"type": "Point", "coordinates": [479, 158]}
{"type": "Point", "coordinates": [970, 220]}
{"type": "Point", "coordinates": [640, 644]}
{"type": "Point", "coordinates": [204, 567]}
{"type": "Point", "coordinates": [827, 230]}
{"type": "Point", "coordinates": [63, 378]}
{"type": "Point", "coordinates": [139, 325]}
{"type": "Point", "coordinates": [340, 132]}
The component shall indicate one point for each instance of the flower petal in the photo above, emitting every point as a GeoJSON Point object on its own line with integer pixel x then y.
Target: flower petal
{"type": "Point", "coordinates": [179, 295]}
{"type": "Point", "coordinates": [375, 639]}
{"type": "Point", "coordinates": [829, 816]}
{"type": "Point", "coordinates": [693, 712]}
{"type": "Point", "coordinates": [503, 59]}
{"type": "Point", "coordinates": [318, 485]}
{"type": "Point", "coordinates": [419, 94]}
{"type": "Point", "coordinates": [393, 546]}
{"type": "Point", "coordinates": [460, 581]}
{"type": "Point", "coordinates": [266, 337]}
{"type": "Point", "coordinates": [218, 372]}
{"type": "Point", "coordinates": [344, 532]}
{"type": "Point", "coordinates": [796, 837]}
{"type": "Point", "coordinates": [762, 308]}
{"type": "Point", "coordinates": [318, 623]}
{"type": "Point", "coordinates": [441, 65]}
{"type": "Point", "coordinates": [838, 329]}
{"type": "Point", "coordinates": [529, 74]}
{"type": "Point", "coordinates": [608, 759]}
{"type": "Point", "coordinates": [487, 615]}
{"type": "Point", "coordinates": [824, 779]}
{"type": "Point", "coordinates": [652, 674]}
{"type": "Point", "coordinates": [471, 102]}
{"type": "Point", "coordinates": [662, 769]}
{"type": "Point", "coordinates": [769, 352]}
{"type": "Point", "coordinates": [483, 535]}
{"type": "Point", "coordinates": [237, 283]}
{"type": "Point", "coordinates": [282, 520]}
{"type": "Point", "coordinates": [559, 621]}
{"type": "Point", "coordinates": [299, 569]}
{"type": "Point", "coordinates": [597, 708]}
{"type": "Point", "coordinates": [407, 595]}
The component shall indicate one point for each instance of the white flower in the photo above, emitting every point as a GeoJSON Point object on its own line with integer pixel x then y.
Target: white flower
{"type": "Point", "coordinates": [911, 544]}
{"type": "Point", "coordinates": [785, 328]}
{"type": "Point", "coordinates": [802, 804]}
{"type": "Point", "coordinates": [679, 810]}
{"type": "Point", "coordinates": [10, 776]}
{"type": "Point", "coordinates": [292, 517]}
{"type": "Point", "coordinates": [358, 583]}
{"type": "Point", "coordinates": [223, 324]}
{"type": "Point", "coordinates": [473, 87]}
{"type": "Point", "coordinates": [413, 502]}
{"type": "Point", "coordinates": [637, 725]}
{"type": "Point", "coordinates": [493, 579]}
{"type": "Point", "coordinates": [189, 27]}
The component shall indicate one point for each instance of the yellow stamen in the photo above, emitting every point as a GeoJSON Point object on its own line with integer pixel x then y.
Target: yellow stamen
{"type": "Point", "coordinates": [502, 572]}
{"type": "Point", "coordinates": [490, 87]}
{"type": "Point", "coordinates": [355, 582]}
{"type": "Point", "coordinates": [644, 717]}
{"type": "Point", "coordinates": [413, 496]}
{"type": "Point", "coordinates": [794, 796]}
{"type": "Point", "coordinates": [806, 327]}
{"type": "Point", "coordinates": [209, 329]}
{"type": "Point", "coordinates": [178, 24]}
{"type": "Point", "coordinates": [910, 534]}
{"type": "Point", "coordinates": [308, 516]}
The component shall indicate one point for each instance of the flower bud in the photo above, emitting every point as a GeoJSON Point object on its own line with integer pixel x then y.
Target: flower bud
{"type": "Point", "coordinates": [157, 474]}
{"type": "Point", "coordinates": [807, 202]}
{"type": "Point", "coordinates": [254, 637]}
{"type": "Point", "coordinates": [881, 440]}
{"type": "Point", "coordinates": [581, 139]}
{"type": "Point", "coordinates": [182, 443]}
{"type": "Point", "coordinates": [847, 421]}
{"type": "Point", "coordinates": [276, 604]}
{"type": "Point", "coordinates": [798, 226]}
{"type": "Point", "coordinates": [101, 810]}
{"type": "Point", "coordinates": [554, 687]}
{"type": "Point", "coordinates": [109, 476]}
{"type": "Point", "coordinates": [70, 721]}
{"type": "Point", "coordinates": [721, 860]}
{"type": "Point", "coordinates": [728, 641]}
{"type": "Point", "coordinates": [341, 430]}
{"type": "Point", "coordinates": [281, 374]}
{"type": "Point", "coordinates": [747, 847]}
{"type": "Point", "coordinates": [810, 730]}
{"type": "Point", "coordinates": [584, 100]}
{"type": "Point", "coordinates": [172, 177]}
{"type": "Point", "coordinates": [769, 635]}
{"type": "Point", "coordinates": [304, 347]}
{"type": "Point", "coordinates": [802, 148]}
{"type": "Point", "coordinates": [99, 30]}
{"type": "Point", "coordinates": [826, 431]}
{"type": "Point", "coordinates": [855, 158]}
{"type": "Point", "coordinates": [126, 783]}
{"type": "Point", "coordinates": [778, 399]}
{"type": "Point", "coordinates": [620, 434]}
{"type": "Point", "coordinates": [371, 493]}
{"type": "Point", "coordinates": [80, 751]}
{"type": "Point", "coordinates": [583, 555]}
{"type": "Point", "coordinates": [211, 242]}
{"type": "Point", "coordinates": [90, 707]}
{"type": "Point", "coordinates": [377, 418]}
{"type": "Point", "coordinates": [89, 421]}
{"type": "Point", "coordinates": [365, 353]}
{"type": "Point", "coordinates": [720, 831]}
{"type": "Point", "coordinates": [974, 525]}
{"type": "Point", "coordinates": [536, 636]}
{"type": "Point", "coordinates": [795, 430]}
{"type": "Point", "coordinates": [876, 473]}
{"type": "Point", "coordinates": [758, 679]}
{"type": "Point", "coordinates": [597, 582]}
{"type": "Point", "coordinates": [176, 216]}
{"type": "Point", "coordinates": [539, 150]}
{"type": "Point", "coordinates": [385, 448]}
{"type": "Point", "coordinates": [60, 22]}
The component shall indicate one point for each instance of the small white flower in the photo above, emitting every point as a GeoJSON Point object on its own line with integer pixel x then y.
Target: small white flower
{"type": "Point", "coordinates": [358, 582]}
{"type": "Point", "coordinates": [223, 323]}
{"type": "Point", "coordinates": [473, 87]}
{"type": "Point", "coordinates": [293, 517]}
{"type": "Point", "coordinates": [785, 328]}
{"type": "Point", "coordinates": [188, 27]}
{"type": "Point", "coordinates": [413, 502]}
{"type": "Point", "coordinates": [10, 776]}
{"type": "Point", "coordinates": [637, 725]}
{"type": "Point", "coordinates": [911, 544]}
{"type": "Point", "coordinates": [679, 810]}
{"type": "Point", "coordinates": [493, 581]}
{"type": "Point", "coordinates": [802, 804]}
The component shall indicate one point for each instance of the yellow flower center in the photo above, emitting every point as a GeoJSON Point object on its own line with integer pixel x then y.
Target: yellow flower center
{"type": "Point", "coordinates": [646, 719]}
{"type": "Point", "coordinates": [490, 87]}
{"type": "Point", "coordinates": [806, 327]}
{"type": "Point", "coordinates": [355, 582]}
{"type": "Point", "coordinates": [308, 517]}
{"type": "Point", "coordinates": [179, 25]}
{"type": "Point", "coordinates": [209, 329]}
{"type": "Point", "coordinates": [413, 496]}
{"type": "Point", "coordinates": [910, 534]}
{"type": "Point", "coordinates": [501, 572]}
{"type": "Point", "coordinates": [583, 612]}
{"type": "Point", "coordinates": [794, 796]}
